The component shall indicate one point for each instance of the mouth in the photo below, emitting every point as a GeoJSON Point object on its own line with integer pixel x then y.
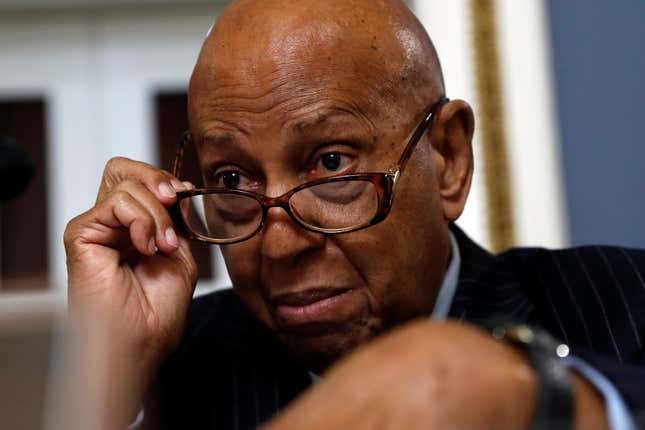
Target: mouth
{"type": "Point", "coordinates": [312, 307]}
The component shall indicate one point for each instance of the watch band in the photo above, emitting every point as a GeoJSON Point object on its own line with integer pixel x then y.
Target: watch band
{"type": "Point", "coordinates": [554, 408]}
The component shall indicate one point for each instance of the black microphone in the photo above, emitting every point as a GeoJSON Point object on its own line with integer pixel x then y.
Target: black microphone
{"type": "Point", "coordinates": [16, 169]}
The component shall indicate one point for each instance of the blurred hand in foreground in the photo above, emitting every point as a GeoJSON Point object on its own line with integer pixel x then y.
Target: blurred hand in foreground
{"type": "Point", "coordinates": [431, 375]}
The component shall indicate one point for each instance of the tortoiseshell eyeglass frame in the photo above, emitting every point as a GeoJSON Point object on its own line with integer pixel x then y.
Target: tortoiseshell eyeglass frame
{"type": "Point", "coordinates": [384, 182]}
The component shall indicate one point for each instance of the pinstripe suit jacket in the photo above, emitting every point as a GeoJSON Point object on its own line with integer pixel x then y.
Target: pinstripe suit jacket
{"type": "Point", "coordinates": [229, 373]}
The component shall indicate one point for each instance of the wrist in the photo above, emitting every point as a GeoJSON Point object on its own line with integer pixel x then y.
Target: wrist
{"type": "Point", "coordinates": [113, 371]}
{"type": "Point", "coordinates": [554, 404]}
{"type": "Point", "coordinates": [128, 376]}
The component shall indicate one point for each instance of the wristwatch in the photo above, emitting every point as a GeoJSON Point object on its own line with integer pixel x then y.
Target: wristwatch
{"type": "Point", "coordinates": [554, 408]}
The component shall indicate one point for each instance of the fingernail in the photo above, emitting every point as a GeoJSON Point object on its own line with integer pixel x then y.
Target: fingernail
{"type": "Point", "coordinates": [178, 185]}
{"type": "Point", "coordinates": [152, 247]}
{"type": "Point", "coordinates": [171, 237]}
{"type": "Point", "coordinates": [189, 185]}
{"type": "Point", "coordinates": [166, 190]}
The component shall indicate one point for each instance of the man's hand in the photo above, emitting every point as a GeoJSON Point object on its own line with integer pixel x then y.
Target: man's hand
{"type": "Point", "coordinates": [129, 270]}
{"type": "Point", "coordinates": [429, 375]}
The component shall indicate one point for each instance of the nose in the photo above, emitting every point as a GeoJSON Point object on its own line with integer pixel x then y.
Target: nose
{"type": "Point", "coordinates": [283, 240]}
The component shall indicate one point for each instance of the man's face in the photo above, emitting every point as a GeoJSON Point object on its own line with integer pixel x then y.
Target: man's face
{"type": "Point", "coordinates": [270, 118]}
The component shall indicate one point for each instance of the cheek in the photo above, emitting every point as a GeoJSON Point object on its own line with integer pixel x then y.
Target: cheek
{"type": "Point", "coordinates": [243, 264]}
{"type": "Point", "coordinates": [403, 258]}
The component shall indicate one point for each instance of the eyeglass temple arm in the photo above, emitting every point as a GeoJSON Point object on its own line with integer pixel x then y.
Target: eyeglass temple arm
{"type": "Point", "coordinates": [397, 169]}
{"type": "Point", "coordinates": [179, 155]}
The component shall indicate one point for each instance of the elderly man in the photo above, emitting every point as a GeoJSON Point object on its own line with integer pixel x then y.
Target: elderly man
{"type": "Point", "coordinates": [335, 168]}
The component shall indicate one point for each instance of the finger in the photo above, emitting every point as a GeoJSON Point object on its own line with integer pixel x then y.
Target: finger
{"type": "Point", "coordinates": [166, 238]}
{"type": "Point", "coordinates": [159, 182]}
{"type": "Point", "coordinates": [106, 222]}
{"type": "Point", "coordinates": [185, 256]}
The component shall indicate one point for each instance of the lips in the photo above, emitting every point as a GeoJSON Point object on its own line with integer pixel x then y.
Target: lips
{"type": "Point", "coordinates": [307, 297]}
{"type": "Point", "coordinates": [312, 306]}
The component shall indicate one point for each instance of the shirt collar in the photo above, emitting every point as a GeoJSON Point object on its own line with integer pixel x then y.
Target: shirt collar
{"type": "Point", "coordinates": [449, 286]}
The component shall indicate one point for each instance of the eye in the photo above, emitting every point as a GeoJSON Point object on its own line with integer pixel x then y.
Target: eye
{"type": "Point", "coordinates": [330, 163]}
{"type": "Point", "coordinates": [233, 180]}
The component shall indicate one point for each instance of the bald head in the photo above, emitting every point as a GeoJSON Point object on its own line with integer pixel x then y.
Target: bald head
{"type": "Point", "coordinates": [307, 44]}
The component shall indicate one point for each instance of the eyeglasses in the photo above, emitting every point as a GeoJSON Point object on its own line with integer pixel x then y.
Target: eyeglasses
{"type": "Point", "coordinates": [333, 205]}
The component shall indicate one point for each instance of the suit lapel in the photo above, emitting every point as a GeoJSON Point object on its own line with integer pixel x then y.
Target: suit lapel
{"type": "Point", "coordinates": [488, 288]}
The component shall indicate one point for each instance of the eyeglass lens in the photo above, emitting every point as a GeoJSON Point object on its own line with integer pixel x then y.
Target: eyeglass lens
{"type": "Point", "coordinates": [331, 206]}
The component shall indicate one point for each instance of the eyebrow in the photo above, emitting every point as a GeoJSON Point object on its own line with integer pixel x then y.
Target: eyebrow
{"type": "Point", "coordinates": [322, 119]}
{"type": "Point", "coordinates": [307, 125]}
{"type": "Point", "coordinates": [304, 126]}
{"type": "Point", "coordinates": [219, 139]}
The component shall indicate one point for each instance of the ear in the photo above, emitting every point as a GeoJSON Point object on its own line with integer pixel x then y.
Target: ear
{"type": "Point", "coordinates": [451, 137]}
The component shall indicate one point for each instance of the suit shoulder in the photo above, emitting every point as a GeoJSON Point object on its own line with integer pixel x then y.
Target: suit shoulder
{"type": "Point", "coordinates": [587, 268]}
{"type": "Point", "coordinates": [591, 294]}
{"type": "Point", "coordinates": [531, 252]}
{"type": "Point", "coordinates": [210, 308]}
{"type": "Point", "coordinates": [220, 319]}
{"type": "Point", "coordinates": [622, 264]}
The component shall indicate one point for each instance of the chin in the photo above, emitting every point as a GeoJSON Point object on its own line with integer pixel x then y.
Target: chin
{"type": "Point", "coordinates": [318, 351]}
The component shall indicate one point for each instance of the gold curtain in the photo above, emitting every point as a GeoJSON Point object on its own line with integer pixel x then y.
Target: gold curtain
{"type": "Point", "coordinates": [491, 125]}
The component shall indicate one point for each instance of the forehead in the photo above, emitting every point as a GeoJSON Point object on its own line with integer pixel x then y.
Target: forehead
{"type": "Point", "coordinates": [295, 67]}
{"type": "Point", "coordinates": [293, 35]}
